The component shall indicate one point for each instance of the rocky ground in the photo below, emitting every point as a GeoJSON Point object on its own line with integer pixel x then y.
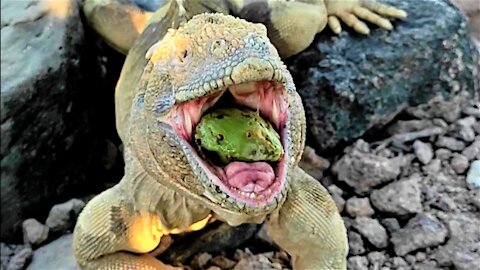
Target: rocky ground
{"type": "Point", "coordinates": [409, 198]}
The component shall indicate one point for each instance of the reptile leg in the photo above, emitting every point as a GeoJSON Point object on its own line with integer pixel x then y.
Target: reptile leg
{"type": "Point", "coordinates": [109, 232]}
{"type": "Point", "coordinates": [120, 23]}
{"type": "Point", "coordinates": [351, 11]}
{"type": "Point", "coordinates": [309, 227]}
{"type": "Point", "coordinates": [291, 25]}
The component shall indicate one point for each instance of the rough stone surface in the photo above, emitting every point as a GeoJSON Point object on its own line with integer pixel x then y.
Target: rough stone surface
{"type": "Point", "coordinates": [399, 198]}
{"type": "Point", "coordinates": [422, 231]}
{"type": "Point", "coordinates": [357, 263]}
{"type": "Point", "coordinates": [350, 83]}
{"type": "Point", "coordinates": [20, 259]}
{"type": "Point", "coordinates": [359, 207]}
{"type": "Point", "coordinates": [355, 243]}
{"type": "Point", "coordinates": [34, 232]}
{"type": "Point", "coordinates": [473, 175]}
{"type": "Point", "coordinates": [423, 151]}
{"type": "Point", "coordinates": [459, 163]}
{"type": "Point", "coordinates": [63, 216]}
{"type": "Point", "coordinates": [58, 254]}
{"type": "Point", "coordinates": [46, 143]}
{"type": "Point", "coordinates": [363, 170]}
{"type": "Point", "coordinates": [462, 248]}
{"type": "Point", "coordinates": [450, 143]}
{"type": "Point", "coordinates": [372, 230]}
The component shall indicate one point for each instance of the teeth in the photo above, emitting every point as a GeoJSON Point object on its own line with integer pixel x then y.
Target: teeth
{"type": "Point", "coordinates": [275, 114]}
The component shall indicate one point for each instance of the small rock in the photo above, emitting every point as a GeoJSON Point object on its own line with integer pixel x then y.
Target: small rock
{"type": "Point", "coordinates": [355, 243]}
{"type": "Point", "coordinates": [363, 170]}
{"type": "Point", "coordinates": [433, 167]}
{"type": "Point", "coordinates": [473, 175]}
{"type": "Point", "coordinates": [376, 259]}
{"type": "Point", "coordinates": [254, 262]}
{"type": "Point", "coordinates": [459, 163]}
{"type": "Point", "coordinates": [34, 232]}
{"type": "Point", "coordinates": [467, 134]}
{"type": "Point", "coordinates": [57, 254]}
{"type": "Point", "coordinates": [201, 260]}
{"type": "Point", "coordinates": [62, 217]}
{"type": "Point", "coordinates": [372, 231]}
{"type": "Point", "coordinates": [20, 259]}
{"type": "Point", "coordinates": [423, 151]}
{"type": "Point", "coordinates": [312, 163]}
{"type": "Point", "coordinates": [391, 224]}
{"type": "Point", "coordinates": [337, 197]}
{"type": "Point", "coordinates": [450, 143]}
{"type": "Point", "coordinates": [473, 150]}
{"type": "Point", "coordinates": [422, 231]}
{"type": "Point", "coordinates": [357, 263]}
{"type": "Point", "coordinates": [214, 268]}
{"type": "Point", "coordinates": [398, 262]}
{"type": "Point", "coordinates": [420, 256]}
{"type": "Point", "coordinates": [223, 262]}
{"type": "Point", "coordinates": [443, 153]}
{"type": "Point", "coordinates": [359, 207]}
{"type": "Point", "coordinates": [467, 121]}
{"type": "Point", "coordinates": [399, 198]}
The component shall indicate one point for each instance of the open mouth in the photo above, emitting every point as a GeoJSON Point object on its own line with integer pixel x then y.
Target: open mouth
{"type": "Point", "coordinates": [252, 183]}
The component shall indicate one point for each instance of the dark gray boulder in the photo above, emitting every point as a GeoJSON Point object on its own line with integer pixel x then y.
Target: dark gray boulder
{"type": "Point", "coordinates": [47, 145]}
{"type": "Point", "coordinates": [351, 83]}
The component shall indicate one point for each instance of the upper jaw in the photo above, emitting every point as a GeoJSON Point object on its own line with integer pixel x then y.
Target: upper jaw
{"type": "Point", "coordinates": [249, 69]}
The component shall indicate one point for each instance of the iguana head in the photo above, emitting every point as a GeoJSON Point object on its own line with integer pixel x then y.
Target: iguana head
{"type": "Point", "coordinates": [216, 60]}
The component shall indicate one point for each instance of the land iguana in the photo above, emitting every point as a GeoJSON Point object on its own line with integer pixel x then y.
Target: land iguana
{"type": "Point", "coordinates": [178, 68]}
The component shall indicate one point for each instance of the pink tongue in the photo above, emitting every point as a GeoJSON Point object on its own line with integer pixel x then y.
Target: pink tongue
{"type": "Point", "coordinates": [249, 177]}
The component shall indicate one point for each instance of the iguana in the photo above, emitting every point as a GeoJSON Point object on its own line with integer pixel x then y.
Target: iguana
{"type": "Point", "coordinates": [170, 78]}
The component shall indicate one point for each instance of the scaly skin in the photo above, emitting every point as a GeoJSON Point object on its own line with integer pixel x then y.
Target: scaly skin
{"type": "Point", "coordinates": [166, 189]}
{"type": "Point", "coordinates": [291, 25]}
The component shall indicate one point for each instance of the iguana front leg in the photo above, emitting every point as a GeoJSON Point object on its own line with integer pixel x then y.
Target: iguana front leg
{"type": "Point", "coordinates": [121, 228]}
{"type": "Point", "coordinates": [309, 227]}
{"type": "Point", "coordinates": [351, 11]}
{"type": "Point", "coordinates": [110, 228]}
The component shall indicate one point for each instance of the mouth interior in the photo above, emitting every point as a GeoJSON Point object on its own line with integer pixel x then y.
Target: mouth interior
{"type": "Point", "coordinates": [253, 183]}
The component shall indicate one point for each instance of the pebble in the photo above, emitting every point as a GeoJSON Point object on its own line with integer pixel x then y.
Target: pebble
{"type": "Point", "coordinates": [399, 198]}
{"type": "Point", "coordinates": [223, 262]}
{"type": "Point", "coordinates": [62, 216]}
{"type": "Point", "coordinates": [450, 143]}
{"type": "Point", "coordinates": [355, 243]}
{"type": "Point", "coordinates": [372, 230]}
{"type": "Point", "coordinates": [422, 231]}
{"type": "Point", "coordinates": [433, 167]}
{"type": "Point", "coordinates": [20, 259]}
{"type": "Point", "coordinates": [467, 134]}
{"type": "Point", "coordinates": [391, 224]}
{"type": "Point", "coordinates": [443, 154]}
{"type": "Point", "coordinates": [34, 232]}
{"type": "Point", "coordinates": [423, 151]}
{"type": "Point", "coordinates": [459, 163]}
{"type": "Point", "coordinates": [473, 175]}
{"type": "Point", "coordinates": [357, 263]}
{"type": "Point", "coordinates": [359, 207]}
{"type": "Point", "coordinates": [473, 150]}
{"type": "Point", "coordinates": [201, 260]}
{"type": "Point", "coordinates": [377, 259]}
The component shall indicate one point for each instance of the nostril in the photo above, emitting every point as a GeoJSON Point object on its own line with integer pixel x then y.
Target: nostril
{"type": "Point", "coordinates": [218, 46]}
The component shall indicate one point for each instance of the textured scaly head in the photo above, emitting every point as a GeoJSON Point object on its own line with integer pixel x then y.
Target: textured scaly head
{"type": "Point", "coordinates": [217, 60]}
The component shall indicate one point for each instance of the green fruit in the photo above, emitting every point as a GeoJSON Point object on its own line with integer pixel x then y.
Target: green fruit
{"type": "Point", "coordinates": [233, 134]}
